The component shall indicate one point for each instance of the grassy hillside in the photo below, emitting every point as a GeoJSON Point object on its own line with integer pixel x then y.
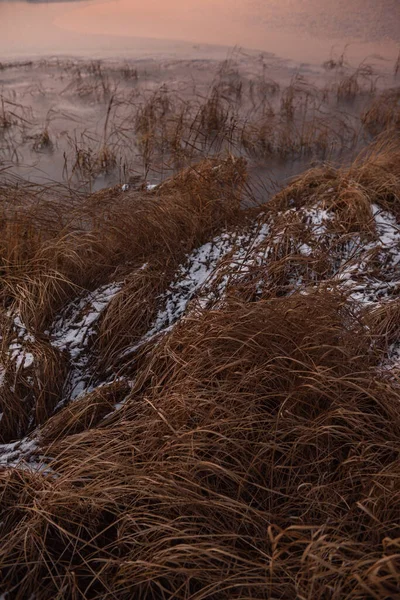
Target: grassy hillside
{"type": "Point", "coordinates": [198, 399]}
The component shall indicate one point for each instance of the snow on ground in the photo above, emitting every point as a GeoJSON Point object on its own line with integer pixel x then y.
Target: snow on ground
{"type": "Point", "coordinates": [17, 351]}
{"type": "Point", "coordinates": [372, 275]}
{"type": "Point", "coordinates": [73, 331]}
{"type": "Point", "coordinates": [367, 270]}
{"type": "Point", "coordinates": [248, 252]}
{"type": "Point", "coordinates": [16, 453]}
{"type": "Point", "coordinates": [21, 341]}
{"type": "Point", "coordinates": [198, 271]}
{"type": "Point", "coordinates": [393, 356]}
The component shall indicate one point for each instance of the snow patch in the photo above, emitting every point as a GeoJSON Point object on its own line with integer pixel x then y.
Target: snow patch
{"type": "Point", "coordinates": [371, 274]}
{"type": "Point", "coordinates": [198, 273]}
{"type": "Point", "coordinates": [15, 453]}
{"type": "Point", "coordinates": [74, 329]}
{"type": "Point", "coordinates": [18, 351]}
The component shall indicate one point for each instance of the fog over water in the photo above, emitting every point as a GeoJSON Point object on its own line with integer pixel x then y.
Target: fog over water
{"type": "Point", "coordinates": [301, 30]}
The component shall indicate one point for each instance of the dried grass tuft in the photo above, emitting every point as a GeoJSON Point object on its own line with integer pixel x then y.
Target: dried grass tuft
{"type": "Point", "coordinates": [256, 457]}
{"type": "Point", "coordinates": [249, 452]}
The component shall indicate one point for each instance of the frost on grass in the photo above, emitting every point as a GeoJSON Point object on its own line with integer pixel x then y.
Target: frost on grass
{"type": "Point", "coordinates": [366, 269]}
{"type": "Point", "coordinates": [73, 332]}
{"type": "Point", "coordinates": [197, 276]}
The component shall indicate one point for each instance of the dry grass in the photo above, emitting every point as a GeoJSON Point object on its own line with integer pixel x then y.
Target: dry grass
{"type": "Point", "coordinates": [252, 451]}
{"type": "Point", "coordinates": [256, 457]}
{"type": "Point", "coordinates": [43, 141]}
{"type": "Point", "coordinates": [52, 253]}
{"type": "Point", "coordinates": [374, 177]}
{"type": "Point", "coordinates": [129, 122]}
{"type": "Point", "coordinates": [84, 414]}
{"type": "Point", "coordinates": [383, 113]}
{"type": "Point", "coordinates": [353, 85]}
{"type": "Point", "coordinates": [29, 395]}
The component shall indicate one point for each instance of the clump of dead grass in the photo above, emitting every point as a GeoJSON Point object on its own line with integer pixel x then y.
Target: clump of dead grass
{"type": "Point", "coordinates": [253, 459]}
{"type": "Point", "coordinates": [52, 254]}
{"type": "Point", "coordinates": [32, 382]}
{"type": "Point", "coordinates": [43, 142]}
{"type": "Point", "coordinates": [85, 413]}
{"type": "Point", "coordinates": [249, 452]}
{"type": "Point", "coordinates": [383, 321]}
{"type": "Point", "coordinates": [383, 113]}
{"type": "Point", "coordinates": [372, 178]}
{"type": "Point", "coordinates": [353, 85]}
{"type": "Point", "coordinates": [48, 254]}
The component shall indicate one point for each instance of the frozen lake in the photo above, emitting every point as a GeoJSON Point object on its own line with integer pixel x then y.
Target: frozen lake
{"type": "Point", "coordinates": [301, 30]}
